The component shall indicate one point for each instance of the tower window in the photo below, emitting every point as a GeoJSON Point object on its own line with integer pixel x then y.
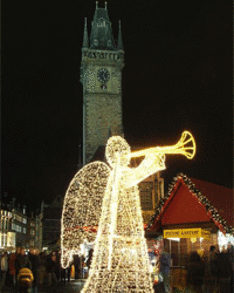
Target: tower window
{"type": "Point", "coordinates": [101, 22]}
{"type": "Point", "coordinates": [103, 87]}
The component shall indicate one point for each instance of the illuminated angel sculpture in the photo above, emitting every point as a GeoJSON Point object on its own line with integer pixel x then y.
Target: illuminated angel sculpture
{"type": "Point", "coordinates": [120, 260]}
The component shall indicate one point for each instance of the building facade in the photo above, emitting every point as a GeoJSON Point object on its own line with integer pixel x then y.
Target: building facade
{"type": "Point", "coordinates": [13, 229]}
{"type": "Point", "coordinates": [17, 229]}
{"type": "Point", "coordinates": [34, 231]}
{"type": "Point", "coordinates": [51, 223]}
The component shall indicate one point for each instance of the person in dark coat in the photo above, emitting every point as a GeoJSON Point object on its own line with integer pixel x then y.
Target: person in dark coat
{"type": "Point", "coordinates": [16, 268]}
{"type": "Point", "coordinates": [77, 265]}
{"type": "Point", "coordinates": [58, 266]}
{"type": "Point", "coordinates": [90, 256]}
{"type": "Point", "coordinates": [11, 263]}
{"type": "Point", "coordinates": [42, 269]}
{"type": "Point", "coordinates": [211, 270]}
{"type": "Point", "coordinates": [51, 269]}
{"type": "Point", "coordinates": [164, 270]}
{"type": "Point", "coordinates": [4, 268]}
{"type": "Point", "coordinates": [21, 261]}
{"type": "Point", "coordinates": [34, 259]}
{"type": "Point", "coordinates": [230, 251]}
{"type": "Point", "coordinates": [224, 271]}
{"type": "Point", "coordinates": [195, 272]}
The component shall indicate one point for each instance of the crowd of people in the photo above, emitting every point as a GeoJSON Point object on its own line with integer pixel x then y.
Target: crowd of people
{"type": "Point", "coordinates": [45, 269]}
{"type": "Point", "coordinates": [211, 274]}
{"type": "Point", "coordinates": [203, 275]}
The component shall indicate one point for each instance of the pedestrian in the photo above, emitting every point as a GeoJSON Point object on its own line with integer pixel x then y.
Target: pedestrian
{"type": "Point", "coordinates": [211, 270]}
{"type": "Point", "coordinates": [51, 269]}
{"type": "Point", "coordinates": [11, 264]}
{"type": "Point", "coordinates": [164, 270]}
{"type": "Point", "coordinates": [25, 278]}
{"type": "Point", "coordinates": [42, 268]}
{"type": "Point", "coordinates": [195, 273]}
{"type": "Point", "coordinates": [77, 265]}
{"type": "Point", "coordinates": [34, 259]}
{"type": "Point", "coordinates": [16, 267]}
{"type": "Point", "coordinates": [21, 262]}
{"type": "Point", "coordinates": [4, 268]}
{"type": "Point", "coordinates": [63, 276]}
{"type": "Point", "coordinates": [58, 265]}
{"type": "Point", "coordinates": [224, 271]}
{"type": "Point", "coordinates": [89, 259]}
{"type": "Point", "coordinates": [230, 251]}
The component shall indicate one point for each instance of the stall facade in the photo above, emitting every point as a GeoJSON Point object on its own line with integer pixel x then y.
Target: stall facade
{"type": "Point", "coordinates": [193, 216]}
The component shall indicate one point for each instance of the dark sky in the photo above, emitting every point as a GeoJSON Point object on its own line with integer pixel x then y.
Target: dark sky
{"type": "Point", "coordinates": [177, 76]}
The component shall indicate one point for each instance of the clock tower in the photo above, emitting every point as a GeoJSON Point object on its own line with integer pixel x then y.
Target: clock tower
{"type": "Point", "coordinates": [101, 76]}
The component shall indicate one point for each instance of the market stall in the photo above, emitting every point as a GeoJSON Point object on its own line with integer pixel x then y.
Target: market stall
{"type": "Point", "coordinates": [193, 216]}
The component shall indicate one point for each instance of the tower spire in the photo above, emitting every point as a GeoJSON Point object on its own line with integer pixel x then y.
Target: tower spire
{"type": "Point", "coordinates": [120, 41]}
{"type": "Point", "coordinates": [101, 36]}
{"type": "Point", "coordinates": [86, 37]}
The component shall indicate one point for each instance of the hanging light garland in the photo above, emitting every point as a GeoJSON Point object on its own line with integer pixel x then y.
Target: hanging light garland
{"type": "Point", "coordinates": [211, 210]}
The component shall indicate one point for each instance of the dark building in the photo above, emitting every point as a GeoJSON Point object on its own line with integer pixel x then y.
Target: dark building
{"type": "Point", "coordinates": [51, 222]}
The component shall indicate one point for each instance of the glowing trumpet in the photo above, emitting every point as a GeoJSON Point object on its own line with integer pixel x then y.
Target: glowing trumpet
{"type": "Point", "coordinates": [185, 146]}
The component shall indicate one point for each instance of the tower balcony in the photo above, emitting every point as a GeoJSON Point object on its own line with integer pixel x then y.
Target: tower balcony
{"type": "Point", "coordinates": [102, 55]}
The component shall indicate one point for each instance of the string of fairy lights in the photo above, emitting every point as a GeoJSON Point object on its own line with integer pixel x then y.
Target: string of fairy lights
{"type": "Point", "coordinates": [211, 210]}
{"type": "Point", "coordinates": [108, 197]}
{"type": "Point", "coordinates": [82, 208]}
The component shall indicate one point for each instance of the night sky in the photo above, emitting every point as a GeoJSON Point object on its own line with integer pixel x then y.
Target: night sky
{"type": "Point", "coordinates": [177, 76]}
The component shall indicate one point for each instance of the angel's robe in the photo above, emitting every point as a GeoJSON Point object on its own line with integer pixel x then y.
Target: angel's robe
{"type": "Point", "coordinates": [120, 261]}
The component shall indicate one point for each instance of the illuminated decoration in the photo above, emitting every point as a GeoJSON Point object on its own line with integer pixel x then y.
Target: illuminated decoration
{"type": "Point", "coordinates": [224, 239]}
{"type": "Point", "coordinates": [82, 208]}
{"type": "Point", "coordinates": [120, 260]}
{"type": "Point", "coordinates": [185, 146]}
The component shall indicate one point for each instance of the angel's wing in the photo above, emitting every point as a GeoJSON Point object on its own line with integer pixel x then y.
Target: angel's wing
{"type": "Point", "coordinates": [82, 208]}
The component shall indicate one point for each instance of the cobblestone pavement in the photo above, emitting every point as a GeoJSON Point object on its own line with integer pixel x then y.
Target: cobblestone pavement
{"type": "Point", "coordinates": [74, 286]}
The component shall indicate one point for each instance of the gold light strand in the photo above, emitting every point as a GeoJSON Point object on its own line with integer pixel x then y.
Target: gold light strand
{"type": "Point", "coordinates": [82, 208]}
{"type": "Point", "coordinates": [120, 260]}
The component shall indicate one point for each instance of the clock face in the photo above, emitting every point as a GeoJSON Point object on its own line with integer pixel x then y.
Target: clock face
{"type": "Point", "coordinates": [103, 75]}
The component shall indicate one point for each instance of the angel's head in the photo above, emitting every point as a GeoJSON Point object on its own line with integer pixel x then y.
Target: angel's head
{"type": "Point", "coordinates": [117, 147]}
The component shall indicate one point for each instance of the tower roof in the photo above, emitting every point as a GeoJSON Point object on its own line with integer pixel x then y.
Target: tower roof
{"type": "Point", "coordinates": [86, 37]}
{"type": "Point", "coordinates": [120, 41]}
{"type": "Point", "coordinates": [101, 32]}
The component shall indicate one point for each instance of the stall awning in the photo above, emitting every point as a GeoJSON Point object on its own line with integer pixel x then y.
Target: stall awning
{"type": "Point", "coordinates": [186, 233]}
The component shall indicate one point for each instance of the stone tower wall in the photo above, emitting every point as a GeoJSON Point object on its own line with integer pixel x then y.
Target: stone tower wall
{"type": "Point", "coordinates": [102, 108]}
{"type": "Point", "coordinates": [103, 116]}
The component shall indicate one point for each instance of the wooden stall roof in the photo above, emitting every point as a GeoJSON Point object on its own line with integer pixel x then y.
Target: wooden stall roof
{"type": "Point", "coordinates": [191, 200]}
